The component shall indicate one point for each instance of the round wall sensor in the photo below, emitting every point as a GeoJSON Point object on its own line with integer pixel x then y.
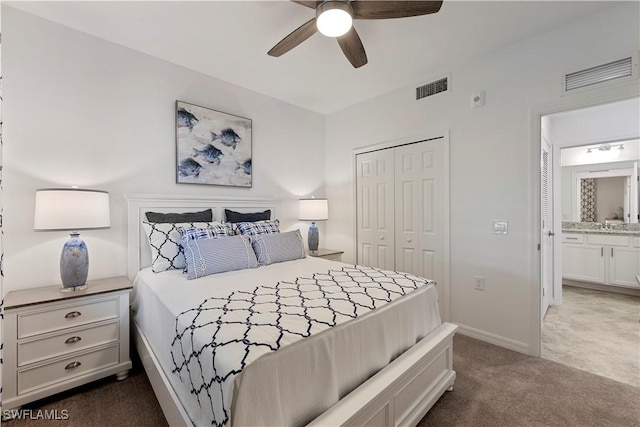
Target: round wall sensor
{"type": "Point", "coordinates": [477, 100]}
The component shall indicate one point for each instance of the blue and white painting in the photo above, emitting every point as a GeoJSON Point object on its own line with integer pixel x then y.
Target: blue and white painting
{"type": "Point", "coordinates": [212, 147]}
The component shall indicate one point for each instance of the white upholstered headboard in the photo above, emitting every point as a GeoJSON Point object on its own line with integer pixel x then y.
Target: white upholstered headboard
{"type": "Point", "coordinates": [139, 252]}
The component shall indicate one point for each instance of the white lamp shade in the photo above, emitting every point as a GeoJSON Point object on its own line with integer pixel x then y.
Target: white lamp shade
{"type": "Point", "coordinates": [71, 209]}
{"type": "Point", "coordinates": [313, 210]}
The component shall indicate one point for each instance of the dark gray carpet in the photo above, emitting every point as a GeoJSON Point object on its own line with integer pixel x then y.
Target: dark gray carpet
{"type": "Point", "coordinates": [494, 387]}
{"type": "Point", "coordinates": [498, 387]}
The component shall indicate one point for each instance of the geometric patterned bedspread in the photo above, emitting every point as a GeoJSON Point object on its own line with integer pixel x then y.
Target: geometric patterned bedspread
{"type": "Point", "coordinates": [217, 339]}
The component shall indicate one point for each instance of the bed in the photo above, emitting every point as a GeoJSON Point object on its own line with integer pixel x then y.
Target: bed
{"type": "Point", "coordinates": [386, 366]}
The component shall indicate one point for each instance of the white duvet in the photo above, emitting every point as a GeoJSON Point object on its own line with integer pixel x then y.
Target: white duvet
{"type": "Point", "coordinates": [305, 376]}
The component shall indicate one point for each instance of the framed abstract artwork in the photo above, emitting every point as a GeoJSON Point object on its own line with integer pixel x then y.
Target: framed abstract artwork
{"type": "Point", "coordinates": [212, 147]}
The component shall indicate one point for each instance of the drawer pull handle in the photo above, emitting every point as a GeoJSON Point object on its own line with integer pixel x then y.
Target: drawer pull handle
{"type": "Point", "coordinates": [611, 252]}
{"type": "Point", "coordinates": [571, 238]}
{"type": "Point", "coordinates": [72, 340]}
{"type": "Point", "coordinates": [72, 365]}
{"type": "Point", "coordinates": [72, 315]}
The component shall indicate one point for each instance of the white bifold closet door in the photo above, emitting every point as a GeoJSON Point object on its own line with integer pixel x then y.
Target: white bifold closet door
{"type": "Point", "coordinates": [400, 197]}
{"type": "Point", "coordinates": [375, 217]}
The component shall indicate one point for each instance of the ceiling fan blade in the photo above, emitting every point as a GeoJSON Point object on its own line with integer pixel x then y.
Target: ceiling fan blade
{"type": "Point", "coordinates": [363, 9]}
{"type": "Point", "coordinates": [353, 49]}
{"type": "Point", "coordinates": [308, 3]}
{"type": "Point", "coordinates": [296, 37]}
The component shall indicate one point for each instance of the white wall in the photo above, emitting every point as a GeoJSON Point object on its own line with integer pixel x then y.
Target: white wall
{"type": "Point", "coordinates": [491, 162]}
{"type": "Point", "coordinates": [615, 121]}
{"type": "Point", "coordinates": [82, 111]}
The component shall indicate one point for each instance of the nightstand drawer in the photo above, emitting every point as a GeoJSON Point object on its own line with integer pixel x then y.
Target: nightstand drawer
{"type": "Point", "coordinates": [67, 342]}
{"type": "Point", "coordinates": [65, 369]}
{"type": "Point", "coordinates": [69, 315]}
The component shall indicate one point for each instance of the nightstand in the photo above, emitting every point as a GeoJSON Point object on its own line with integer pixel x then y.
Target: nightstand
{"type": "Point", "coordinates": [55, 341]}
{"type": "Point", "coordinates": [330, 254]}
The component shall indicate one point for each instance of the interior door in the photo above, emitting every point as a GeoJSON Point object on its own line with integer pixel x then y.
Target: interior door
{"type": "Point", "coordinates": [546, 216]}
{"type": "Point", "coordinates": [375, 209]}
{"type": "Point", "coordinates": [419, 225]}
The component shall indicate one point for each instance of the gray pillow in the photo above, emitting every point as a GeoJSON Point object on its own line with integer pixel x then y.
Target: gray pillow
{"type": "Point", "coordinates": [278, 247]}
{"type": "Point", "coordinates": [163, 218]}
{"type": "Point", "coordinates": [217, 255]}
{"type": "Point", "coordinates": [232, 216]}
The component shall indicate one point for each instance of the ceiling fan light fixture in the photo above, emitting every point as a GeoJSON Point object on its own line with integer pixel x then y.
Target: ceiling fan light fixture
{"type": "Point", "coordinates": [334, 18]}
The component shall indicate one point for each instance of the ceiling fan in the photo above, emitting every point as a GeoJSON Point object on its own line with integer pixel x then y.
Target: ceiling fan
{"type": "Point", "coordinates": [334, 19]}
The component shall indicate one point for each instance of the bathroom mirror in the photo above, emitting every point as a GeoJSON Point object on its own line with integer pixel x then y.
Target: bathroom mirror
{"type": "Point", "coordinates": [600, 182]}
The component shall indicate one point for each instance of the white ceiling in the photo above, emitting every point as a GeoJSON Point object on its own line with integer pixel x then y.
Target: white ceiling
{"type": "Point", "coordinates": [230, 39]}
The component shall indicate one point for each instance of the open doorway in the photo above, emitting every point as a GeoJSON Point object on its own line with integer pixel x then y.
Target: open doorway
{"type": "Point", "coordinates": [590, 251]}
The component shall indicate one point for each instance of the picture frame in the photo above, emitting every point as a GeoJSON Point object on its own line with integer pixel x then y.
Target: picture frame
{"type": "Point", "coordinates": [212, 147]}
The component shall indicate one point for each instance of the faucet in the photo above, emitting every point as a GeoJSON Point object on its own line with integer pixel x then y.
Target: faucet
{"type": "Point", "coordinates": [605, 226]}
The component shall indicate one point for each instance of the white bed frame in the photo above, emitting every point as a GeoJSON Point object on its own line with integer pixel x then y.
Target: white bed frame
{"type": "Point", "coordinates": [400, 394]}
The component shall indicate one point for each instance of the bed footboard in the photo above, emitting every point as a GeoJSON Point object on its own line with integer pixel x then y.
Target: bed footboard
{"type": "Point", "coordinates": [402, 392]}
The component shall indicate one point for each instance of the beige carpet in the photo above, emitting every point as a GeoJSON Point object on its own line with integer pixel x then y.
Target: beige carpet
{"type": "Point", "coordinates": [595, 331]}
{"type": "Point", "coordinates": [495, 387]}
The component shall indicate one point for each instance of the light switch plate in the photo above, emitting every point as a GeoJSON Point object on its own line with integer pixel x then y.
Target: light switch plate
{"type": "Point", "coordinates": [500, 227]}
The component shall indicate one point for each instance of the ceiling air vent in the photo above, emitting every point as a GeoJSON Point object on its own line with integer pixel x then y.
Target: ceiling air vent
{"type": "Point", "coordinates": [601, 73]}
{"type": "Point", "coordinates": [432, 88]}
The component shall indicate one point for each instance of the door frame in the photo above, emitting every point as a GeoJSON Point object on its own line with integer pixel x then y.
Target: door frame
{"type": "Point", "coordinates": [446, 252]}
{"type": "Point", "coordinates": [595, 98]}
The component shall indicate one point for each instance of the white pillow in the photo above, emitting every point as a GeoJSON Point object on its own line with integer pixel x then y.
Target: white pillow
{"type": "Point", "coordinates": [164, 239]}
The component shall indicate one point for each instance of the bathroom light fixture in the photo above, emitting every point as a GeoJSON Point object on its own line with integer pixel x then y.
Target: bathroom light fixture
{"type": "Point", "coordinates": [605, 147]}
{"type": "Point", "coordinates": [334, 18]}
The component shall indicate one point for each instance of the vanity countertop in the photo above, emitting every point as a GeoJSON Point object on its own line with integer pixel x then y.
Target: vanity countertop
{"type": "Point", "coordinates": [612, 232]}
{"type": "Point", "coordinates": [596, 228]}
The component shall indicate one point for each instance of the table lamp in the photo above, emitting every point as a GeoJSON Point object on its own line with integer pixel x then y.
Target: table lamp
{"type": "Point", "coordinates": [72, 209]}
{"type": "Point", "coordinates": [313, 210]}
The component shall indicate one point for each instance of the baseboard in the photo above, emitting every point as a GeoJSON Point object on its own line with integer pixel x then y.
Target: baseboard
{"type": "Point", "coordinates": [498, 340]}
{"type": "Point", "coordinates": [603, 288]}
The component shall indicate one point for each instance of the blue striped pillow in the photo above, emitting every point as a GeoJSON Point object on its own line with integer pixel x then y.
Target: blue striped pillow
{"type": "Point", "coordinates": [278, 247]}
{"type": "Point", "coordinates": [222, 229]}
{"type": "Point", "coordinates": [262, 227]}
{"type": "Point", "coordinates": [211, 256]}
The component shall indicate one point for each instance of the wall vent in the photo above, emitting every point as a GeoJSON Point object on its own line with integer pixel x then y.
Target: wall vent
{"type": "Point", "coordinates": [600, 74]}
{"type": "Point", "coordinates": [432, 88]}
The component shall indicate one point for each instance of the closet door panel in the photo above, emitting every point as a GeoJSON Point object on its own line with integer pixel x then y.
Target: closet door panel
{"type": "Point", "coordinates": [407, 209]}
{"type": "Point", "coordinates": [375, 199]}
{"type": "Point", "coordinates": [425, 235]}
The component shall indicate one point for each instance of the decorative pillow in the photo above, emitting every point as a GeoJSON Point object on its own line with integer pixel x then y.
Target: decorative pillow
{"type": "Point", "coordinates": [202, 216]}
{"type": "Point", "coordinates": [262, 227]}
{"type": "Point", "coordinates": [232, 216]}
{"type": "Point", "coordinates": [270, 248]}
{"type": "Point", "coordinates": [215, 230]}
{"type": "Point", "coordinates": [164, 239]}
{"type": "Point", "coordinates": [210, 256]}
